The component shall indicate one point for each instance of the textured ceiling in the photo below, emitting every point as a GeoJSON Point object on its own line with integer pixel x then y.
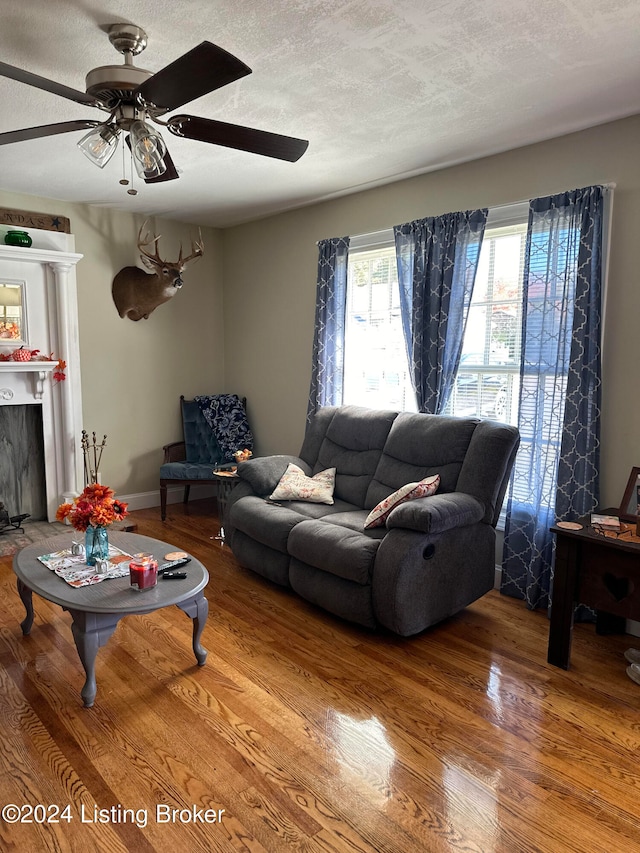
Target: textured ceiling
{"type": "Point", "coordinates": [382, 90]}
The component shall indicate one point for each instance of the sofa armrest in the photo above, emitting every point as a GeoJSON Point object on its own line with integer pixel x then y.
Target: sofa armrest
{"type": "Point", "coordinates": [175, 452]}
{"type": "Point", "coordinates": [263, 473]}
{"type": "Point", "coordinates": [437, 513]}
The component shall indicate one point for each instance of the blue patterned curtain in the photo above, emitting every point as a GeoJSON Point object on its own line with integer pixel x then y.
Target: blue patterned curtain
{"type": "Point", "coordinates": [437, 261]}
{"type": "Point", "coordinates": [556, 471]}
{"type": "Point", "coordinates": [327, 370]}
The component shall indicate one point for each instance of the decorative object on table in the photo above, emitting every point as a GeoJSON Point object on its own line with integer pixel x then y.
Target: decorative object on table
{"type": "Point", "coordinates": [92, 512]}
{"type": "Point", "coordinates": [242, 455]}
{"type": "Point", "coordinates": [18, 238]}
{"type": "Point", "coordinates": [136, 293]}
{"type": "Point", "coordinates": [628, 510]}
{"type": "Point", "coordinates": [92, 454]}
{"type": "Point", "coordinates": [143, 571]}
{"type": "Point", "coordinates": [96, 545]}
{"type": "Point", "coordinates": [74, 571]}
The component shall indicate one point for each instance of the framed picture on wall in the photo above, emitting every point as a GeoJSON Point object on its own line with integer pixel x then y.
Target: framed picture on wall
{"type": "Point", "coordinates": [629, 507]}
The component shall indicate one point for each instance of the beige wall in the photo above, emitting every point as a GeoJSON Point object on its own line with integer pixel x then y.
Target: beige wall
{"type": "Point", "coordinates": [133, 373]}
{"type": "Point", "coordinates": [263, 276]}
{"type": "Point", "coordinates": [270, 272]}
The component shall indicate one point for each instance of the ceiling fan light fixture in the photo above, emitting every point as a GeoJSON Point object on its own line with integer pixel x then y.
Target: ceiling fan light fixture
{"type": "Point", "coordinates": [99, 145]}
{"type": "Point", "coordinates": [148, 149]}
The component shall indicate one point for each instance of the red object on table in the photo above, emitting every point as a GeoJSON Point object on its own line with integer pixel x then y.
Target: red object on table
{"type": "Point", "coordinates": [143, 571]}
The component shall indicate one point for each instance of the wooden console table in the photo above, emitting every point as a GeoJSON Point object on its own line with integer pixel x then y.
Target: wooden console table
{"type": "Point", "coordinates": [601, 571]}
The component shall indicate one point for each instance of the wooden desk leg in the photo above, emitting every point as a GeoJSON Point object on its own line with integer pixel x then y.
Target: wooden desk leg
{"type": "Point", "coordinates": [198, 609]}
{"type": "Point", "coordinates": [563, 602]}
{"type": "Point", "coordinates": [26, 595]}
{"type": "Point", "coordinates": [90, 632]}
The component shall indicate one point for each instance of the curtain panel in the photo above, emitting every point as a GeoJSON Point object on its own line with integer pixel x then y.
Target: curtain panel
{"type": "Point", "coordinates": [556, 473]}
{"type": "Point", "coordinates": [327, 365]}
{"type": "Point", "coordinates": [437, 260]}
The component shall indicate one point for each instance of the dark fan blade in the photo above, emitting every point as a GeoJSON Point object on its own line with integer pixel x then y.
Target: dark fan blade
{"type": "Point", "coordinates": [48, 85]}
{"type": "Point", "coordinates": [170, 175]}
{"type": "Point", "coordinates": [196, 73]}
{"type": "Point", "coordinates": [46, 130]}
{"type": "Point", "coordinates": [236, 136]}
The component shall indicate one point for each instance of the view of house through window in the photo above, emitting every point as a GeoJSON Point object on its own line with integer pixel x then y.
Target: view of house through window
{"type": "Point", "coordinates": [489, 372]}
{"type": "Point", "coordinates": [376, 367]}
{"type": "Point", "coordinates": [376, 371]}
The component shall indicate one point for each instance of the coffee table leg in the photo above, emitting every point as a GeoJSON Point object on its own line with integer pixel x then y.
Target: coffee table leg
{"type": "Point", "coordinates": [90, 632]}
{"type": "Point", "coordinates": [198, 610]}
{"type": "Point", "coordinates": [27, 599]}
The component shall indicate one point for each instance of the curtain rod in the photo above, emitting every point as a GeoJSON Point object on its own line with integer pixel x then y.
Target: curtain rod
{"type": "Point", "coordinates": [607, 186]}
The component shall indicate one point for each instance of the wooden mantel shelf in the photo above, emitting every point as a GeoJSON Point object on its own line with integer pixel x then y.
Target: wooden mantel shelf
{"type": "Point", "coordinates": [39, 369]}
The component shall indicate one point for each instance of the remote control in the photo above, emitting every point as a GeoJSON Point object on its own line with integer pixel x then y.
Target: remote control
{"type": "Point", "coordinates": [174, 576]}
{"type": "Point", "coordinates": [173, 564]}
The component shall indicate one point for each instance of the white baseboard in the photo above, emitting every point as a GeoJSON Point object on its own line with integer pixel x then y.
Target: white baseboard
{"type": "Point", "coordinates": [632, 627]}
{"type": "Point", "coordinates": [144, 500]}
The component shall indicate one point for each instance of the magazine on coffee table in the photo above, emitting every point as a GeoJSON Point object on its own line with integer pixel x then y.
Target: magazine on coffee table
{"type": "Point", "coordinates": [73, 569]}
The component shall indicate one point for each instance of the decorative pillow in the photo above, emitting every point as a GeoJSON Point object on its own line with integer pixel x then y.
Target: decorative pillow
{"type": "Point", "coordinates": [426, 487]}
{"type": "Point", "coordinates": [294, 485]}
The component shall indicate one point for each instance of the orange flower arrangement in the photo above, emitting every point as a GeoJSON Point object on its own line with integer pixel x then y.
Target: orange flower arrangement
{"type": "Point", "coordinates": [95, 507]}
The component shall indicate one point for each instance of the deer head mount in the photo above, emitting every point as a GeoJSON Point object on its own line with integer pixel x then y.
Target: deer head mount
{"type": "Point", "coordinates": [137, 293]}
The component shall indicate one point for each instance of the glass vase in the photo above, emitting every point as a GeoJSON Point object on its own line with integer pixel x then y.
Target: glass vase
{"type": "Point", "coordinates": [96, 544]}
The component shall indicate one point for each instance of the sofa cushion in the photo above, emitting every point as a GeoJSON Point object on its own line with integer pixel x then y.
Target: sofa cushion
{"type": "Point", "coordinates": [268, 523]}
{"type": "Point", "coordinates": [186, 471]}
{"type": "Point", "coordinates": [425, 488]}
{"type": "Point", "coordinates": [353, 444]}
{"type": "Point", "coordinates": [295, 485]}
{"type": "Point", "coordinates": [418, 446]}
{"type": "Point", "coordinates": [335, 549]}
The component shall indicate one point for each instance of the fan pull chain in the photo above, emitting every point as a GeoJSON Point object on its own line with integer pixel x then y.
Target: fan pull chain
{"type": "Point", "coordinates": [123, 180]}
{"type": "Point", "coordinates": [132, 190]}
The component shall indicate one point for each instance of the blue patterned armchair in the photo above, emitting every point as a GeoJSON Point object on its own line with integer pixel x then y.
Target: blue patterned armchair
{"type": "Point", "coordinates": [214, 428]}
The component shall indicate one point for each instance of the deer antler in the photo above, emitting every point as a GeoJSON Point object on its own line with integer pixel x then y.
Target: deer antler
{"type": "Point", "coordinates": [197, 251]}
{"type": "Point", "coordinates": [155, 258]}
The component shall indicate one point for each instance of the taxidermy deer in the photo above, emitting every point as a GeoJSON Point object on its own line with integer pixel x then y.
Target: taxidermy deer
{"type": "Point", "coordinates": [136, 293]}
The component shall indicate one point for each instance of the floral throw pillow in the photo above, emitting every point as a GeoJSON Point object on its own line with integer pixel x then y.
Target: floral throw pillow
{"type": "Point", "coordinates": [426, 487]}
{"type": "Point", "coordinates": [294, 485]}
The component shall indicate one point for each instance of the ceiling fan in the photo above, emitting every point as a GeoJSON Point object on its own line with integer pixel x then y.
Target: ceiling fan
{"type": "Point", "coordinates": [133, 96]}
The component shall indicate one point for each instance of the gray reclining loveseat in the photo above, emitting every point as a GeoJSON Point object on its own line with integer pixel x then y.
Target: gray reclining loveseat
{"type": "Point", "coordinates": [432, 557]}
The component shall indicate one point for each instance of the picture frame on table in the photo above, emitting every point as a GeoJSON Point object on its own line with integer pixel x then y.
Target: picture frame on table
{"type": "Point", "coordinates": [629, 507]}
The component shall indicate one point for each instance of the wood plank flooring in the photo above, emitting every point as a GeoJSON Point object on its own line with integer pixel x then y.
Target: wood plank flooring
{"type": "Point", "coordinates": [304, 733]}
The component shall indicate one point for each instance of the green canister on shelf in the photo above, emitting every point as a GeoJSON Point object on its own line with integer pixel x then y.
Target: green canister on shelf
{"type": "Point", "coordinates": [18, 238]}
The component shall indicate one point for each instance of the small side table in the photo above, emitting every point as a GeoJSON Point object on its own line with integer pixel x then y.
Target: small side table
{"type": "Point", "coordinates": [600, 571]}
{"type": "Point", "coordinates": [226, 481]}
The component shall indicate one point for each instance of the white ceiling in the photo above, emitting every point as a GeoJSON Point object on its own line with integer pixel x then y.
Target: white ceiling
{"type": "Point", "coordinates": [382, 89]}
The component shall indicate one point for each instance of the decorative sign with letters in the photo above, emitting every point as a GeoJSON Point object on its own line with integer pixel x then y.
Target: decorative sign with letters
{"type": "Point", "coordinates": [29, 219]}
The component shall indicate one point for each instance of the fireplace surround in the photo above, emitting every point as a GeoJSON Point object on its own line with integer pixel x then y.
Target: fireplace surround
{"type": "Point", "coordinates": [48, 275]}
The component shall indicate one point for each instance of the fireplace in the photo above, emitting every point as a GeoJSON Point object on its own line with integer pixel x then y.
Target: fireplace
{"type": "Point", "coordinates": [46, 275]}
{"type": "Point", "coordinates": [22, 471]}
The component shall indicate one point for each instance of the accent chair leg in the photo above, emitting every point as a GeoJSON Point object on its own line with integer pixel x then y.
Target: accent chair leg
{"type": "Point", "coordinates": [187, 489]}
{"type": "Point", "coordinates": [163, 501]}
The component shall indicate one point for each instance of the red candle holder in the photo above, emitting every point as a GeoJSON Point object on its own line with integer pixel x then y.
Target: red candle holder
{"type": "Point", "coordinates": [143, 571]}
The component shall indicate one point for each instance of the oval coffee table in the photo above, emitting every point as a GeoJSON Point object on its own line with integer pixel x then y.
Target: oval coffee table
{"type": "Point", "coordinates": [97, 609]}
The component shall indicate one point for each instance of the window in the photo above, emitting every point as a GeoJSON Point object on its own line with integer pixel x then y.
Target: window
{"type": "Point", "coordinates": [488, 377]}
{"type": "Point", "coordinates": [376, 372]}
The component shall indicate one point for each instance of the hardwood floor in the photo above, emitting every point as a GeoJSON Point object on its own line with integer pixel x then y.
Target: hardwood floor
{"type": "Point", "coordinates": [312, 734]}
